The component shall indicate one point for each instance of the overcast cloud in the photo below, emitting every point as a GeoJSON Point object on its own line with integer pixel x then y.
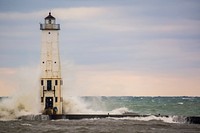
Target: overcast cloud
{"type": "Point", "coordinates": [118, 47]}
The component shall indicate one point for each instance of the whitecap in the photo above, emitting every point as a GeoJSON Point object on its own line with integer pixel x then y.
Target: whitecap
{"type": "Point", "coordinates": [180, 103]}
{"type": "Point", "coordinates": [120, 110]}
{"type": "Point", "coordinates": [26, 124]}
{"type": "Point", "coordinates": [166, 119]}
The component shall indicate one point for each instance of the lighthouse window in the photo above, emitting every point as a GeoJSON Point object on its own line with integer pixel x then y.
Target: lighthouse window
{"type": "Point", "coordinates": [56, 99]}
{"type": "Point", "coordinates": [42, 82]}
{"type": "Point", "coordinates": [49, 85]}
{"type": "Point", "coordinates": [56, 82]}
{"type": "Point", "coordinates": [41, 99]}
{"type": "Point", "coordinates": [49, 102]}
{"type": "Point", "coordinates": [49, 32]}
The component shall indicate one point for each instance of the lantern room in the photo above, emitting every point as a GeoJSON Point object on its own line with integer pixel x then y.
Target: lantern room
{"type": "Point", "coordinates": [50, 19]}
{"type": "Point", "coordinates": [49, 23]}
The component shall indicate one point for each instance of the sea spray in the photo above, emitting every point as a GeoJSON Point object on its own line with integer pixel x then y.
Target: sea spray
{"type": "Point", "coordinates": [121, 110]}
{"type": "Point", "coordinates": [75, 105]}
{"type": "Point", "coordinates": [166, 119]}
{"type": "Point", "coordinates": [25, 99]}
{"type": "Point", "coordinates": [95, 103]}
{"type": "Point", "coordinates": [12, 108]}
{"type": "Point", "coordinates": [102, 104]}
{"type": "Point", "coordinates": [78, 105]}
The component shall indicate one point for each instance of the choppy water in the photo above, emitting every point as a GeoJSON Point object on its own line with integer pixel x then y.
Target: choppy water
{"type": "Point", "coordinates": [185, 106]}
{"type": "Point", "coordinates": [99, 126]}
{"type": "Point", "coordinates": [173, 106]}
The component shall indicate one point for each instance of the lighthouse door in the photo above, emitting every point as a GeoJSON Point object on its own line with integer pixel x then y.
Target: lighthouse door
{"type": "Point", "coordinates": [49, 102]}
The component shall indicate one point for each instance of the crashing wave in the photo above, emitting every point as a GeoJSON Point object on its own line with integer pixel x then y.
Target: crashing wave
{"type": "Point", "coordinates": [34, 117]}
{"type": "Point", "coordinates": [167, 119]}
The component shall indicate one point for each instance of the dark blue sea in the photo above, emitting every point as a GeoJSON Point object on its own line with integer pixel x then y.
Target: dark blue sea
{"type": "Point", "coordinates": [175, 107]}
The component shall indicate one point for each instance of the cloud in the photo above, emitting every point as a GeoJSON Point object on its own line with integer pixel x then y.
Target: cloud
{"type": "Point", "coordinates": [110, 19]}
{"type": "Point", "coordinates": [79, 13]}
{"type": "Point", "coordinates": [91, 81]}
{"type": "Point", "coordinates": [139, 40]}
{"type": "Point", "coordinates": [76, 13]}
{"type": "Point", "coordinates": [80, 80]}
{"type": "Point", "coordinates": [20, 15]}
{"type": "Point", "coordinates": [138, 26]}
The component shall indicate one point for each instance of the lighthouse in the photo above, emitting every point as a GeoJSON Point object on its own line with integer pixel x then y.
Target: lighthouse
{"type": "Point", "coordinates": [50, 79]}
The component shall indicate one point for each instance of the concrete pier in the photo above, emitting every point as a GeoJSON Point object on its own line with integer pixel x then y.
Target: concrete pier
{"type": "Point", "coordinates": [91, 116]}
{"type": "Point", "coordinates": [179, 119]}
{"type": "Point", "coordinates": [193, 119]}
{"type": "Point", "coordinates": [187, 119]}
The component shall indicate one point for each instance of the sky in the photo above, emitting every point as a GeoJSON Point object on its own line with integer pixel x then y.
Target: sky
{"type": "Point", "coordinates": [107, 47]}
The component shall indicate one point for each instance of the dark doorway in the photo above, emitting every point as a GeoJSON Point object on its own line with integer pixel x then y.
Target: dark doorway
{"type": "Point", "coordinates": [49, 102]}
{"type": "Point", "coordinates": [49, 85]}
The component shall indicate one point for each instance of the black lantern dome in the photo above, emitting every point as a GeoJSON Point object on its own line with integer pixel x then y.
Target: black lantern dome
{"type": "Point", "coordinates": [50, 19]}
{"type": "Point", "coordinates": [50, 23]}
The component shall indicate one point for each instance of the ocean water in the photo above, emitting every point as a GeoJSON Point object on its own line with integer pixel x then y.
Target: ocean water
{"type": "Point", "coordinates": [176, 107]}
{"type": "Point", "coordinates": [182, 106]}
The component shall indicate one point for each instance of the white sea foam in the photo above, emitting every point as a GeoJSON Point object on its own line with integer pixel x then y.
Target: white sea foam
{"type": "Point", "coordinates": [72, 105]}
{"type": "Point", "coordinates": [26, 124]}
{"type": "Point", "coordinates": [186, 98]}
{"type": "Point", "coordinates": [169, 119]}
{"type": "Point", "coordinates": [25, 100]}
{"type": "Point", "coordinates": [75, 105]}
{"type": "Point", "coordinates": [180, 103]}
{"type": "Point", "coordinates": [120, 110]}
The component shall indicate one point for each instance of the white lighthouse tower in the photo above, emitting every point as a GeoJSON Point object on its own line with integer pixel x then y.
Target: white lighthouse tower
{"type": "Point", "coordinates": [51, 81]}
